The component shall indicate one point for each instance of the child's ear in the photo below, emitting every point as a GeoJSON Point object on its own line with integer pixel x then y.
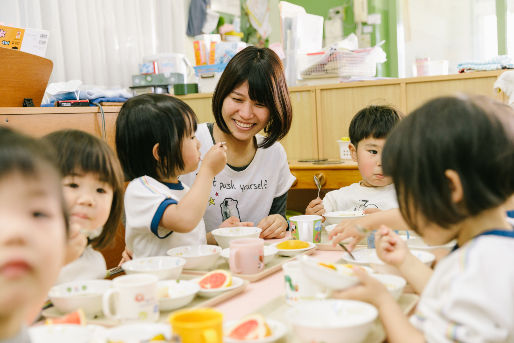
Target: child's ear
{"type": "Point", "coordinates": [155, 151]}
{"type": "Point", "coordinates": [353, 151]}
{"type": "Point", "coordinates": [455, 185]}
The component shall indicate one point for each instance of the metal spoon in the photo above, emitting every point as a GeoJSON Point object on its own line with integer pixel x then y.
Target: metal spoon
{"type": "Point", "coordinates": [346, 249]}
{"type": "Point", "coordinates": [317, 183]}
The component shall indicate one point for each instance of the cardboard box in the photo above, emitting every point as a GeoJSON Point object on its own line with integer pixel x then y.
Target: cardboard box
{"type": "Point", "coordinates": [32, 41]}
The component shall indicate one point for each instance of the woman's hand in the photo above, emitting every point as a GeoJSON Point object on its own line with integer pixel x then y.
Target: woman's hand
{"type": "Point", "coordinates": [369, 289]}
{"type": "Point", "coordinates": [273, 226]}
{"type": "Point", "coordinates": [390, 247]}
{"type": "Point", "coordinates": [126, 255]}
{"type": "Point", "coordinates": [215, 159]}
{"type": "Point", "coordinates": [234, 221]}
{"type": "Point", "coordinates": [76, 244]}
{"type": "Point", "coordinates": [315, 207]}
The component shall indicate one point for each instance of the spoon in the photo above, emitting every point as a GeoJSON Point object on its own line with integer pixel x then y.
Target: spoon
{"type": "Point", "coordinates": [317, 183]}
{"type": "Point", "coordinates": [346, 249]}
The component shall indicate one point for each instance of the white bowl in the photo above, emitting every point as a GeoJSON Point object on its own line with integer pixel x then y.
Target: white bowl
{"type": "Point", "coordinates": [137, 332]}
{"type": "Point", "coordinates": [394, 283]}
{"type": "Point", "coordinates": [177, 293]}
{"type": "Point", "coordinates": [337, 216]}
{"type": "Point", "coordinates": [224, 235]}
{"type": "Point", "coordinates": [278, 330]}
{"type": "Point", "coordinates": [416, 242]}
{"type": "Point", "coordinates": [292, 252]}
{"type": "Point", "coordinates": [269, 253]}
{"type": "Point", "coordinates": [369, 257]}
{"type": "Point", "coordinates": [332, 321]}
{"type": "Point", "coordinates": [86, 294]}
{"type": "Point", "coordinates": [209, 293]}
{"type": "Point", "coordinates": [199, 257]}
{"type": "Point", "coordinates": [341, 278]}
{"type": "Point", "coordinates": [164, 267]}
{"type": "Point", "coordinates": [65, 333]}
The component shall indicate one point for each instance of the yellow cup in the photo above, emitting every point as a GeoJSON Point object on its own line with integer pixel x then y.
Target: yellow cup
{"type": "Point", "coordinates": [203, 325]}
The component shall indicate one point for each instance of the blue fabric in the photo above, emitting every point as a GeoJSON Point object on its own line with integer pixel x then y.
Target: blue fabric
{"type": "Point", "coordinates": [510, 214]}
{"type": "Point", "coordinates": [158, 216]}
{"type": "Point", "coordinates": [111, 99]}
{"type": "Point", "coordinates": [493, 232]}
{"type": "Point", "coordinates": [176, 186]}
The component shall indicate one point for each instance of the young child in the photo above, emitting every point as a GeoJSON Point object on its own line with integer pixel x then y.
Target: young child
{"type": "Point", "coordinates": [33, 229]}
{"type": "Point", "coordinates": [452, 163]}
{"type": "Point", "coordinates": [155, 140]}
{"type": "Point", "coordinates": [368, 131]}
{"type": "Point", "coordinates": [93, 190]}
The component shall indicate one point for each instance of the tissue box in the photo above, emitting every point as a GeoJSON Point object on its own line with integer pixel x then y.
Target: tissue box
{"type": "Point", "coordinates": [157, 79]}
{"type": "Point", "coordinates": [32, 41]}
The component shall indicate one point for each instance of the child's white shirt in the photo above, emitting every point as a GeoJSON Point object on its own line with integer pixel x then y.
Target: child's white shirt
{"type": "Point", "coordinates": [146, 199]}
{"type": "Point", "coordinates": [89, 266]}
{"type": "Point", "coordinates": [357, 198]}
{"type": "Point", "coordinates": [470, 296]}
{"type": "Point", "coordinates": [246, 194]}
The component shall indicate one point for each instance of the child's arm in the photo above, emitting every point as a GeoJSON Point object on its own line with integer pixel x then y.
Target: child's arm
{"type": "Point", "coordinates": [393, 250]}
{"type": "Point", "coordinates": [351, 227]}
{"type": "Point", "coordinates": [315, 207]}
{"type": "Point", "coordinates": [185, 216]}
{"type": "Point", "coordinates": [396, 324]}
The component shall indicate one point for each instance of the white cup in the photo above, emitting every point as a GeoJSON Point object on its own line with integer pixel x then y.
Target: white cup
{"type": "Point", "coordinates": [135, 298]}
{"type": "Point", "coordinates": [299, 287]}
{"type": "Point", "coordinates": [306, 228]}
{"type": "Point", "coordinates": [344, 150]}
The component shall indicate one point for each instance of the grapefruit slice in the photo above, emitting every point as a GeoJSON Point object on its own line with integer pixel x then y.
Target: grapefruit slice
{"type": "Point", "coordinates": [292, 244]}
{"type": "Point", "coordinates": [250, 327]}
{"type": "Point", "coordinates": [76, 317]}
{"type": "Point", "coordinates": [215, 279]}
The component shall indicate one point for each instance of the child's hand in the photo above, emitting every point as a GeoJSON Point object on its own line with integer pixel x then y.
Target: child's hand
{"type": "Point", "coordinates": [350, 228]}
{"type": "Point", "coordinates": [77, 242]}
{"type": "Point", "coordinates": [215, 159]}
{"type": "Point", "coordinates": [273, 226]}
{"type": "Point", "coordinates": [390, 247]}
{"type": "Point", "coordinates": [315, 207]}
{"type": "Point", "coordinates": [369, 289]}
{"type": "Point", "coordinates": [234, 221]}
{"type": "Point", "coordinates": [126, 255]}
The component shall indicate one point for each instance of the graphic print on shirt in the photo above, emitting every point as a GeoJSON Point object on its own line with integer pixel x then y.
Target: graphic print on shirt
{"type": "Point", "coordinates": [363, 204]}
{"type": "Point", "coordinates": [229, 209]}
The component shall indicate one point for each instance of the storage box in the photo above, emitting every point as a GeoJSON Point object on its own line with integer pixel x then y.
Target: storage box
{"type": "Point", "coordinates": [157, 79]}
{"type": "Point", "coordinates": [32, 41]}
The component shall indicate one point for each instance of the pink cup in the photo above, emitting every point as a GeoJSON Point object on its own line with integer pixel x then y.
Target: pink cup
{"type": "Point", "coordinates": [246, 255]}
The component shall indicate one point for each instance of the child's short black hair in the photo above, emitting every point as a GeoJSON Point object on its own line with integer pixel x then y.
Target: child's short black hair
{"type": "Point", "coordinates": [79, 151]}
{"type": "Point", "coordinates": [263, 70]}
{"type": "Point", "coordinates": [474, 136]}
{"type": "Point", "coordinates": [373, 121]}
{"type": "Point", "coordinates": [146, 120]}
{"type": "Point", "coordinates": [26, 155]}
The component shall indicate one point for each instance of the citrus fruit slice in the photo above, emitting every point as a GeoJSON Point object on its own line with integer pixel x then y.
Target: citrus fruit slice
{"type": "Point", "coordinates": [76, 317]}
{"type": "Point", "coordinates": [292, 244]}
{"type": "Point", "coordinates": [215, 279]}
{"type": "Point", "coordinates": [250, 327]}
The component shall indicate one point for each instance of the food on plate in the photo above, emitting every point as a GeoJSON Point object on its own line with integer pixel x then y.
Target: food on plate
{"type": "Point", "coordinates": [76, 317]}
{"type": "Point", "coordinates": [215, 279]}
{"type": "Point", "coordinates": [253, 326]}
{"type": "Point", "coordinates": [327, 265]}
{"type": "Point", "coordinates": [162, 292]}
{"type": "Point", "coordinates": [292, 244]}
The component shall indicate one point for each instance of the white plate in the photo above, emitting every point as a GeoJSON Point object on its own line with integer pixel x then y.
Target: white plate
{"type": "Point", "coordinates": [209, 293]}
{"type": "Point", "coordinates": [416, 242]}
{"type": "Point", "coordinates": [65, 333]}
{"type": "Point", "coordinates": [137, 332]}
{"type": "Point", "coordinates": [269, 253]}
{"type": "Point", "coordinates": [292, 252]}
{"type": "Point", "coordinates": [278, 330]}
{"type": "Point", "coordinates": [341, 278]}
{"type": "Point", "coordinates": [180, 293]}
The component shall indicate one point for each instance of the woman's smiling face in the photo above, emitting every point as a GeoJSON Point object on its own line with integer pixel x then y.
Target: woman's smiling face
{"type": "Point", "coordinates": [243, 116]}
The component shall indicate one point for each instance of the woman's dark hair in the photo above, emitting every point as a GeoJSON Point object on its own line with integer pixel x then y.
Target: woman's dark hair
{"type": "Point", "coordinates": [80, 152]}
{"type": "Point", "coordinates": [473, 136]}
{"type": "Point", "coordinates": [263, 70]}
{"type": "Point", "coordinates": [146, 120]}
{"type": "Point", "coordinates": [32, 158]}
{"type": "Point", "coordinates": [373, 121]}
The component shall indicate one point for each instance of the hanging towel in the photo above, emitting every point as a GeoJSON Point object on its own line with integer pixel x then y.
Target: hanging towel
{"type": "Point", "coordinates": [197, 15]}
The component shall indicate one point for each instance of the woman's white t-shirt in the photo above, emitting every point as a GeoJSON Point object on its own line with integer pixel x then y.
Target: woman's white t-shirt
{"type": "Point", "coordinates": [246, 194]}
{"type": "Point", "coordinates": [146, 199]}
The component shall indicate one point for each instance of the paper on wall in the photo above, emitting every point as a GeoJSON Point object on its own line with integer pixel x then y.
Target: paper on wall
{"type": "Point", "coordinates": [258, 14]}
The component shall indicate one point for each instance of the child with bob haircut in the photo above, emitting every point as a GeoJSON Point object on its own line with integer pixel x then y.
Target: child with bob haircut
{"type": "Point", "coordinates": [368, 131]}
{"type": "Point", "coordinates": [33, 229]}
{"type": "Point", "coordinates": [156, 142]}
{"type": "Point", "coordinates": [93, 189]}
{"type": "Point", "coordinates": [452, 163]}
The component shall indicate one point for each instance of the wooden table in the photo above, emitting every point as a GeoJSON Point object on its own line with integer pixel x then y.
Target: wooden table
{"type": "Point", "coordinates": [332, 174]}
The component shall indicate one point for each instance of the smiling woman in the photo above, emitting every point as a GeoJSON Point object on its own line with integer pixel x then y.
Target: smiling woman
{"type": "Point", "coordinates": [251, 96]}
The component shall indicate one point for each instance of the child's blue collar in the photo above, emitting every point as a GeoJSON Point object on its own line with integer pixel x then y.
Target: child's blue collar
{"type": "Point", "coordinates": [493, 232]}
{"type": "Point", "coordinates": [171, 185]}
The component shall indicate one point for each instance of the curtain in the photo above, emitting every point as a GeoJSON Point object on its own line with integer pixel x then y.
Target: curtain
{"type": "Point", "coordinates": [101, 42]}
